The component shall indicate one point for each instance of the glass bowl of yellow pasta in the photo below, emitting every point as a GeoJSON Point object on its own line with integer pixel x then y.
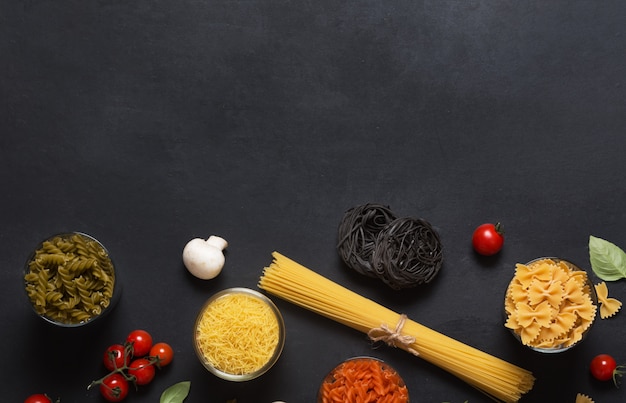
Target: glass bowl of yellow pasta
{"type": "Point", "coordinates": [70, 280]}
{"type": "Point", "coordinates": [550, 304]}
{"type": "Point", "coordinates": [239, 334]}
{"type": "Point", "coordinates": [368, 378]}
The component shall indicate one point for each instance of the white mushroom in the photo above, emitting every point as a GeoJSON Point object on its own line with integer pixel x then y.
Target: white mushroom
{"type": "Point", "coordinates": [205, 259]}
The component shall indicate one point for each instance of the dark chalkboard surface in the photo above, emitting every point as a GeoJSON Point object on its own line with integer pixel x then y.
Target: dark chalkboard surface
{"type": "Point", "coordinates": [148, 123]}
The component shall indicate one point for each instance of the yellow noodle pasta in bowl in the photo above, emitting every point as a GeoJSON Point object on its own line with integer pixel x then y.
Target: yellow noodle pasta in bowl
{"type": "Point", "coordinates": [550, 304]}
{"type": "Point", "coordinates": [70, 280]}
{"type": "Point", "coordinates": [239, 334]}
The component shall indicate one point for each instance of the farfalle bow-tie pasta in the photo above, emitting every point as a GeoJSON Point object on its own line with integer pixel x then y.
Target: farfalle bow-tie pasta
{"type": "Point", "coordinates": [580, 398]}
{"type": "Point", "coordinates": [548, 304]}
{"type": "Point", "coordinates": [608, 306]}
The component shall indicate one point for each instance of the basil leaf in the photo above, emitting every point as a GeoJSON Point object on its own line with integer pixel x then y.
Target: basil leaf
{"type": "Point", "coordinates": [176, 393]}
{"type": "Point", "coordinates": [608, 261]}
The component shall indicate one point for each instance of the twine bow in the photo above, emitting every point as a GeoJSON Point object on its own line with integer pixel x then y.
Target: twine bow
{"type": "Point", "coordinates": [393, 338]}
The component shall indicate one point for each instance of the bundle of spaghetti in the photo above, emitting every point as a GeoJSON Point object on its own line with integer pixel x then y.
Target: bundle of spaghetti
{"type": "Point", "coordinates": [293, 282]}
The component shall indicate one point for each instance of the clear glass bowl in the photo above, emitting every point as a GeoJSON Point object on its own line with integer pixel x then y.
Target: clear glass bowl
{"type": "Point", "coordinates": [335, 375]}
{"type": "Point", "coordinates": [589, 289]}
{"type": "Point", "coordinates": [275, 354]}
{"type": "Point", "coordinates": [63, 284]}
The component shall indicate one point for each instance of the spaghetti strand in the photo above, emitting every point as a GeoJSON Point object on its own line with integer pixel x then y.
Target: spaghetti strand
{"type": "Point", "coordinates": [301, 286]}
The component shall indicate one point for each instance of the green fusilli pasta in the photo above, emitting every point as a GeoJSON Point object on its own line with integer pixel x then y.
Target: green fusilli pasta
{"type": "Point", "coordinates": [70, 279]}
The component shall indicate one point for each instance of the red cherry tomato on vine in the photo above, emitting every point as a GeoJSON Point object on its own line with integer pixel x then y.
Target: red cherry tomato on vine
{"type": "Point", "coordinates": [141, 342]}
{"type": "Point", "coordinates": [38, 398]}
{"type": "Point", "coordinates": [143, 371]}
{"type": "Point", "coordinates": [603, 367]}
{"type": "Point", "coordinates": [114, 357]}
{"type": "Point", "coordinates": [164, 352]}
{"type": "Point", "coordinates": [488, 239]}
{"type": "Point", "coordinates": [114, 388]}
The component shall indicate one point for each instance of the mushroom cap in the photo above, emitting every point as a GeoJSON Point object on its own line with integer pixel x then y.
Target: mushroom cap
{"type": "Point", "coordinates": [202, 259]}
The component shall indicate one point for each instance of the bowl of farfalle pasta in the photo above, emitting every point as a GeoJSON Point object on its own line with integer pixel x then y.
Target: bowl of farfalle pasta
{"type": "Point", "coordinates": [550, 304]}
{"type": "Point", "coordinates": [70, 280]}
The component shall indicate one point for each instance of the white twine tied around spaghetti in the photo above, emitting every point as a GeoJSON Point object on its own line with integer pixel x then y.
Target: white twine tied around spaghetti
{"type": "Point", "coordinates": [393, 338]}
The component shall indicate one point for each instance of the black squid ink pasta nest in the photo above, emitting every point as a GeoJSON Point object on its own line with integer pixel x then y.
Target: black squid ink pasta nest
{"type": "Point", "coordinates": [403, 252]}
{"type": "Point", "coordinates": [70, 280]}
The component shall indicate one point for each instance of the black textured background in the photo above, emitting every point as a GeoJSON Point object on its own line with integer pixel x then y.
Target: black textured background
{"type": "Point", "coordinates": [148, 123]}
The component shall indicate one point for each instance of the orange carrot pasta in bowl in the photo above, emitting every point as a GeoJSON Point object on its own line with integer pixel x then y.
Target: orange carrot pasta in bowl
{"type": "Point", "coordinates": [363, 380]}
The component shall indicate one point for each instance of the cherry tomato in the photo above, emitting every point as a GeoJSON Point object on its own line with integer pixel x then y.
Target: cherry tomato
{"type": "Point", "coordinates": [114, 388]}
{"type": "Point", "coordinates": [38, 398]}
{"type": "Point", "coordinates": [488, 239]}
{"type": "Point", "coordinates": [114, 357]}
{"type": "Point", "coordinates": [164, 352]}
{"type": "Point", "coordinates": [603, 367]}
{"type": "Point", "coordinates": [141, 342]}
{"type": "Point", "coordinates": [143, 371]}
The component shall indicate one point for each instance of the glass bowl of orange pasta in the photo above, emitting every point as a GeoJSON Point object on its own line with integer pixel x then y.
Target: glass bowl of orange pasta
{"type": "Point", "coordinates": [239, 334]}
{"type": "Point", "coordinates": [70, 280]}
{"type": "Point", "coordinates": [550, 304]}
{"type": "Point", "coordinates": [365, 379]}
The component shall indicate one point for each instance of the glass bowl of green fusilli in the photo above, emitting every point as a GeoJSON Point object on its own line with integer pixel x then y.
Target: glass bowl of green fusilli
{"type": "Point", "coordinates": [70, 280]}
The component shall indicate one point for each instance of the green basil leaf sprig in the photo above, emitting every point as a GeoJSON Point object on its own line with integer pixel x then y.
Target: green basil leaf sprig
{"type": "Point", "coordinates": [608, 261]}
{"type": "Point", "coordinates": [176, 393]}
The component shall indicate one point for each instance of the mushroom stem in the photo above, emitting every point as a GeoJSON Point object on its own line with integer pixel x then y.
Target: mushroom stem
{"type": "Point", "coordinates": [218, 242]}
